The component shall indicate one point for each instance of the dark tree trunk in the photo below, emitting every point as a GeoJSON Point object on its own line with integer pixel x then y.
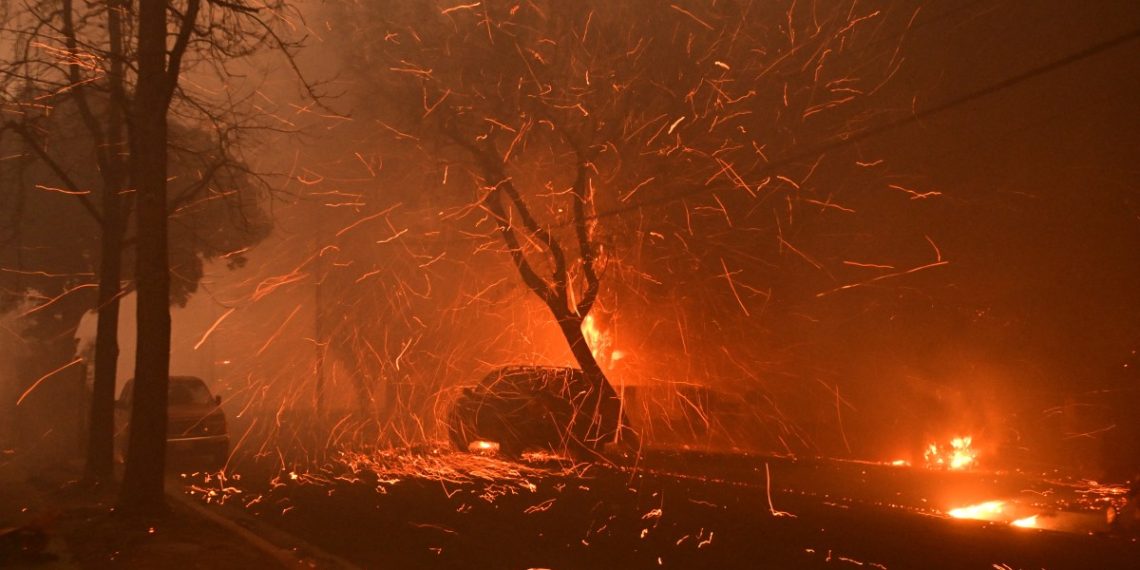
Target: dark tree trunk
{"type": "Point", "coordinates": [101, 427]}
{"type": "Point", "coordinates": [100, 441]}
{"type": "Point", "coordinates": [608, 421]}
{"type": "Point", "coordinates": [601, 400]}
{"type": "Point", "coordinates": [143, 488]}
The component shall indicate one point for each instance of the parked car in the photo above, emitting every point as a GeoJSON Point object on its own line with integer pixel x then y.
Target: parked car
{"type": "Point", "coordinates": [529, 408]}
{"type": "Point", "coordinates": [196, 425]}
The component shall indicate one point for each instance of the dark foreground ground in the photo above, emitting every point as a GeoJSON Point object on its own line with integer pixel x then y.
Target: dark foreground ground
{"type": "Point", "coordinates": [443, 510]}
{"type": "Point", "coordinates": [63, 525]}
{"type": "Point", "coordinates": [432, 509]}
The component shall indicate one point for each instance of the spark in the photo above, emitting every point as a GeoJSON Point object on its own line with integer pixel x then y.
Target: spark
{"type": "Point", "coordinates": [629, 194]}
{"type": "Point", "coordinates": [727, 169]}
{"type": "Point", "coordinates": [937, 252]}
{"type": "Point", "coordinates": [691, 15]}
{"type": "Point", "coordinates": [915, 194]}
{"type": "Point", "coordinates": [369, 218]}
{"type": "Point", "coordinates": [55, 299]}
{"type": "Point", "coordinates": [367, 166]}
{"type": "Point", "coordinates": [539, 508]}
{"type": "Point", "coordinates": [45, 377]}
{"type": "Point", "coordinates": [803, 255]}
{"type": "Point", "coordinates": [271, 284]}
{"type": "Point", "coordinates": [63, 190]}
{"type": "Point", "coordinates": [210, 330]}
{"type": "Point", "coordinates": [868, 265]}
{"type": "Point", "coordinates": [705, 542]}
{"type": "Point", "coordinates": [768, 488]}
{"type": "Point", "coordinates": [831, 205]}
{"type": "Point", "coordinates": [40, 273]}
{"type": "Point", "coordinates": [275, 334]}
{"type": "Point", "coordinates": [882, 277]}
{"type": "Point", "coordinates": [728, 276]}
{"type": "Point", "coordinates": [471, 6]}
{"type": "Point", "coordinates": [365, 276]}
{"type": "Point", "coordinates": [393, 236]}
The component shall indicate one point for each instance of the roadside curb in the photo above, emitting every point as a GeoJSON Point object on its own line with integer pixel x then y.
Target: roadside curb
{"type": "Point", "coordinates": [286, 549]}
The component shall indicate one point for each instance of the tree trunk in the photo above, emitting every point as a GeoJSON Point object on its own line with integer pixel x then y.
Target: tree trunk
{"type": "Point", "coordinates": [100, 442]}
{"type": "Point", "coordinates": [101, 426]}
{"type": "Point", "coordinates": [143, 489]}
{"type": "Point", "coordinates": [608, 421]}
{"type": "Point", "coordinates": [601, 402]}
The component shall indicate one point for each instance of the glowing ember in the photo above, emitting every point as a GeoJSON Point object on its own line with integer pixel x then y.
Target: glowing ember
{"type": "Point", "coordinates": [483, 447]}
{"type": "Point", "coordinates": [959, 455]}
{"type": "Point", "coordinates": [900, 463]}
{"type": "Point", "coordinates": [989, 510]}
{"type": "Point", "coordinates": [1027, 522]}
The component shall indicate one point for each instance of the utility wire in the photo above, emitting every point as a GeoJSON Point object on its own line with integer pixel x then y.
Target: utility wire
{"type": "Point", "coordinates": [873, 132]}
{"type": "Point", "coordinates": [917, 116]}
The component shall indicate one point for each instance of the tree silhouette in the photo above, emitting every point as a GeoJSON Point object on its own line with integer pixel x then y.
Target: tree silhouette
{"type": "Point", "coordinates": [576, 121]}
{"type": "Point", "coordinates": [88, 90]}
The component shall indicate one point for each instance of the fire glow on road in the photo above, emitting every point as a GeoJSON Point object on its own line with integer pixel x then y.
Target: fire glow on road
{"type": "Point", "coordinates": [987, 511]}
{"type": "Point", "coordinates": [993, 511]}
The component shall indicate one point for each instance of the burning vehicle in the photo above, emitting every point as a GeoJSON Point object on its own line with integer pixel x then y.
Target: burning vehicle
{"type": "Point", "coordinates": [196, 427]}
{"type": "Point", "coordinates": [531, 408]}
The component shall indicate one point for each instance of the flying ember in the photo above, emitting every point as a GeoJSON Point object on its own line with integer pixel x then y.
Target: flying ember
{"type": "Point", "coordinates": [574, 284]}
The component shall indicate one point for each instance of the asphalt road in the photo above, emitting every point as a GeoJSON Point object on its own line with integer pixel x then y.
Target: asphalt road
{"type": "Point", "coordinates": [679, 510]}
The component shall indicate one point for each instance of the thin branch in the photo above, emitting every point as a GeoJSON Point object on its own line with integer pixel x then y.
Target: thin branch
{"type": "Point", "coordinates": [174, 61]}
{"type": "Point", "coordinates": [57, 169]}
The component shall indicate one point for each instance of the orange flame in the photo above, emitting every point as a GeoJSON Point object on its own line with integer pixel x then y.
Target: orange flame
{"type": "Point", "coordinates": [988, 510]}
{"type": "Point", "coordinates": [958, 456]}
{"type": "Point", "coordinates": [601, 343]}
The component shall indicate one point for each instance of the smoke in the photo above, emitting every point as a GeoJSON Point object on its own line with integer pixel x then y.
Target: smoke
{"type": "Point", "coordinates": [13, 349]}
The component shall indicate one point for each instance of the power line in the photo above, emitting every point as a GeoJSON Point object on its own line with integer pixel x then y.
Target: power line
{"type": "Point", "coordinates": [917, 116]}
{"type": "Point", "coordinates": [870, 133]}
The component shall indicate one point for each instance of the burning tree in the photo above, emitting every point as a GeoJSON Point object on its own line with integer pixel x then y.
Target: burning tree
{"type": "Point", "coordinates": [631, 139]}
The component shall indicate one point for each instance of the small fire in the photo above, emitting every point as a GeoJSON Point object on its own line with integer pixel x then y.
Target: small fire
{"type": "Point", "coordinates": [601, 342]}
{"type": "Point", "coordinates": [995, 511]}
{"type": "Point", "coordinates": [958, 456]}
{"type": "Point", "coordinates": [987, 511]}
{"type": "Point", "coordinates": [483, 447]}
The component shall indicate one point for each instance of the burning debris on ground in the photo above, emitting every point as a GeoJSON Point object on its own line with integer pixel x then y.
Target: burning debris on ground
{"type": "Point", "coordinates": [532, 283]}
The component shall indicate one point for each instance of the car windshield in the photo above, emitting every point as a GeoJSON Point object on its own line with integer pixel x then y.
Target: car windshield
{"type": "Point", "coordinates": [188, 392]}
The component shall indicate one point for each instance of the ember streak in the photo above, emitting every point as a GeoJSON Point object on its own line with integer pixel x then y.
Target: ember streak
{"type": "Point", "coordinates": [595, 283]}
